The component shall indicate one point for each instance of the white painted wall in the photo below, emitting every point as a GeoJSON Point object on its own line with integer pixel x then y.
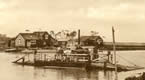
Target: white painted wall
{"type": "Point", "coordinates": [20, 41]}
{"type": "Point", "coordinates": [28, 43]}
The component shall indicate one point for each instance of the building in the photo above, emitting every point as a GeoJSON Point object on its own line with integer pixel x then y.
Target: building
{"type": "Point", "coordinates": [11, 43]}
{"type": "Point", "coordinates": [40, 39]}
{"type": "Point", "coordinates": [26, 40]}
{"type": "Point", "coordinates": [62, 42]}
{"type": "Point", "coordinates": [91, 40]}
{"type": "Point", "coordinates": [44, 39]}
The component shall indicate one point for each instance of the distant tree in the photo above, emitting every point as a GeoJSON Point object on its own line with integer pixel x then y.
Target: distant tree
{"type": "Point", "coordinates": [27, 30]}
{"type": "Point", "coordinates": [58, 34]}
{"type": "Point", "coordinates": [52, 33]}
{"type": "Point", "coordinates": [4, 40]}
{"type": "Point", "coordinates": [73, 34]}
{"type": "Point", "coordinates": [94, 33]}
{"type": "Point", "coordinates": [55, 35]}
{"type": "Point", "coordinates": [64, 34]}
{"type": "Point", "coordinates": [103, 37]}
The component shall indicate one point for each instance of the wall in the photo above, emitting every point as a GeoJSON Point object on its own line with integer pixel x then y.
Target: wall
{"type": "Point", "coordinates": [20, 41]}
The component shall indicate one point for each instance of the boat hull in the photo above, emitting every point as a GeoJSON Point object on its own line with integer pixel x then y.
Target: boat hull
{"type": "Point", "coordinates": [61, 64]}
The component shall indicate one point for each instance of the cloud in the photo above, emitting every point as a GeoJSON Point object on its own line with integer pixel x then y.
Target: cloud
{"type": "Point", "coordinates": [99, 15]}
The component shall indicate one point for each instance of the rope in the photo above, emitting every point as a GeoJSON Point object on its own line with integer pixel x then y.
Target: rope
{"type": "Point", "coordinates": [127, 60]}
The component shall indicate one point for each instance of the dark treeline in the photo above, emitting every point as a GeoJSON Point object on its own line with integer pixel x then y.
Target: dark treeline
{"type": "Point", "coordinates": [4, 41]}
{"type": "Point", "coordinates": [124, 46]}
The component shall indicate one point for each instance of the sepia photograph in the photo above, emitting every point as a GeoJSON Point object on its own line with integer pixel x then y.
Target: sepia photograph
{"type": "Point", "coordinates": [72, 39]}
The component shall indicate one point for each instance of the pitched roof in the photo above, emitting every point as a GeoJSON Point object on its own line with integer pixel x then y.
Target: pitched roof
{"type": "Point", "coordinates": [12, 39]}
{"type": "Point", "coordinates": [84, 38]}
{"type": "Point", "coordinates": [29, 36]}
{"type": "Point", "coordinates": [35, 35]}
{"type": "Point", "coordinates": [40, 32]}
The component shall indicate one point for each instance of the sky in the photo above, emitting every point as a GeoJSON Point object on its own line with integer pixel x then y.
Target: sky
{"type": "Point", "coordinates": [127, 17]}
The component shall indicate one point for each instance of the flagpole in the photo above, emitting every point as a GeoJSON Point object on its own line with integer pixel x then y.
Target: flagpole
{"type": "Point", "coordinates": [114, 49]}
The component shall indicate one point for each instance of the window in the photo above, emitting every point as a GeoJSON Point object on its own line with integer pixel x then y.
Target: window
{"type": "Point", "coordinates": [44, 43]}
{"type": "Point", "coordinates": [46, 36]}
{"type": "Point", "coordinates": [19, 41]}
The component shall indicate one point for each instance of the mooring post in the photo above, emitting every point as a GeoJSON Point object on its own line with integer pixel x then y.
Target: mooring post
{"type": "Point", "coordinates": [108, 55]}
{"type": "Point", "coordinates": [23, 60]}
{"type": "Point", "coordinates": [114, 49]}
{"type": "Point", "coordinates": [35, 55]}
{"type": "Point", "coordinates": [111, 58]}
{"type": "Point", "coordinates": [79, 37]}
{"type": "Point", "coordinates": [28, 57]}
{"type": "Point", "coordinates": [44, 57]}
{"type": "Point", "coordinates": [105, 65]}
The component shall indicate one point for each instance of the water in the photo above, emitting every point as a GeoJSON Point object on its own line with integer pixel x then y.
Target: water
{"type": "Point", "coordinates": [10, 71]}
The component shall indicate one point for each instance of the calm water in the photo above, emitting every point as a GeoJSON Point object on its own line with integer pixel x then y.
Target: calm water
{"type": "Point", "coordinates": [10, 71]}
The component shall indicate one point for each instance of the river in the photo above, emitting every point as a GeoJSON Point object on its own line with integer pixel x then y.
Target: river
{"type": "Point", "coordinates": [10, 71]}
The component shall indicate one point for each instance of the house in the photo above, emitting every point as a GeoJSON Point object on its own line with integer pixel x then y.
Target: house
{"type": "Point", "coordinates": [39, 39]}
{"type": "Point", "coordinates": [26, 40]}
{"type": "Point", "coordinates": [44, 39]}
{"type": "Point", "coordinates": [91, 40]}
{"type": "Point", "coordinates": [62, 42]}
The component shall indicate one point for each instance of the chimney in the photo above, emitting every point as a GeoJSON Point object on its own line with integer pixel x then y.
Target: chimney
{"type": "Point", "coordinates": [79, 37]}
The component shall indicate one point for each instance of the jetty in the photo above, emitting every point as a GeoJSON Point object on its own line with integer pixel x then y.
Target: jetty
{"type": "Point", "coordinates": [12, 50]}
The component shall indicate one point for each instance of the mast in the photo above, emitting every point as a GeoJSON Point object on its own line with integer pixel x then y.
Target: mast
{"type": "Point", "coordinates": [79, 37]}
{"type": "Point", "coordinates": [114, 49]}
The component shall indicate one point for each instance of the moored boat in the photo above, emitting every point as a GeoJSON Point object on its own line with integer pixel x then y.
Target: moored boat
{"type": "Point", "coordinates": [78, 58]}
{"type": "Point", "coordinates": [12, 50]}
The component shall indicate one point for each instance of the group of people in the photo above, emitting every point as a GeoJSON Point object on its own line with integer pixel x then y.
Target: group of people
{"type": "Point", "coordinates": [92, 52]}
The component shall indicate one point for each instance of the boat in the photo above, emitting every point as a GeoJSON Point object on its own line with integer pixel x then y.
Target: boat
{"type": "Point", "coordinates": [78, 58]}
{"type": "Point", "coordinates": [27, 51]}
{"type": "Point", "coordinates": [12, 50]}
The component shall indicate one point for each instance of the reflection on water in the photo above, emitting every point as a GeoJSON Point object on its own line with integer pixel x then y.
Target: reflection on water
{"type": "Point", "coordinates": [10, 71]}
{"type": "Point", "coordinates": [71, 74]}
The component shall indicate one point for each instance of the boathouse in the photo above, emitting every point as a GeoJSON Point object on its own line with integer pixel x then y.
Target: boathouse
{"type": "Point", "coordinates": [62, 42]}
{"type": "Point", "coordinates": [36, 39]}
{"type": "Point", "coordinates": [26, 40]}
{"type": "Point", "coordinates": [91, 40]}
{"type": "Point", "coordinates": [44, 39]}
